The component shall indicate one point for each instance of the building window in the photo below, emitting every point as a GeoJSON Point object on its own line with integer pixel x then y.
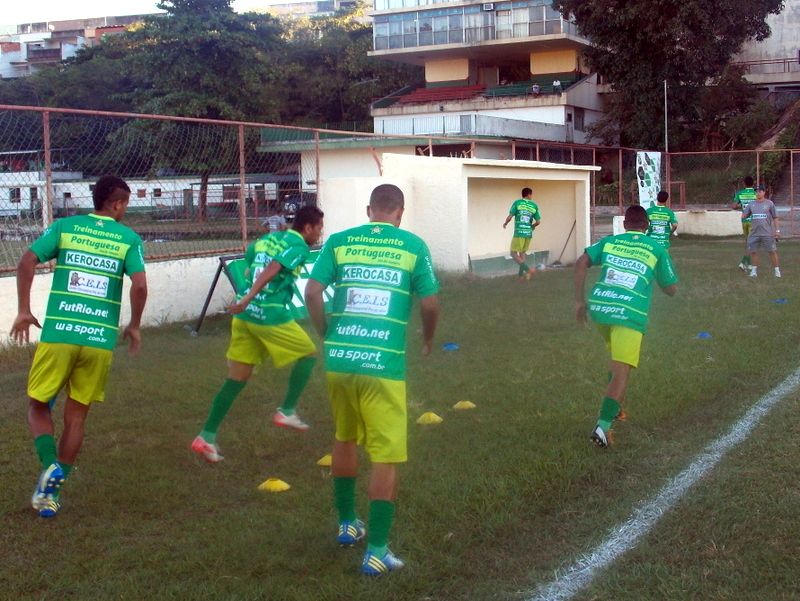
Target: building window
{"type": "Point", "coordinates": [157, 192]}
{"type": "Point", "coordinates": [141, 193]}
{"type": "Point", "coordinates": [34, 194]}
{"type": "Point", "coordinates": [15, 194]}
{"type": "Point", "coordinates": [579, 119]}
{"type": "Point", "coordinates": [67, 195]}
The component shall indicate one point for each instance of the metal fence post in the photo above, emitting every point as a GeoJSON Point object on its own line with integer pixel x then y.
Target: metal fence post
{"type": "Point", "coordinates": [316, 168]}
{"type": "Point", "coordinates": [621, 183]}
{"type": "Point", "coordinates": [758, 167]}
{"type": "Point", "coordinates": [242, 198]}
{"type": "Point", "coordinates": [47, 208]}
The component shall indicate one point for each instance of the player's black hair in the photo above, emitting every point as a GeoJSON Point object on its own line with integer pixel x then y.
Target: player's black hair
{"type": "Point", "coordinates": [636, 217]}
{"type": "Point", "coordinates": [306, 215]}
{"type": "Point", "coordinates": [387, 198]}
{"type": "Point", "coordinates": [662, 196]}
{"type": "Point", "coordinates": [105, 190]}
{"type": "Point", "coordinates": [748, 181]}
{"type": "Point", "coordinates": [526, 192]}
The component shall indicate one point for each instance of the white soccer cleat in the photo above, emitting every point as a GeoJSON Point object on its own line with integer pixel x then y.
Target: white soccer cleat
{"type": "Point", "coordinates": [208, 451]}
{"type": "Point", "coordinates": [600, 437]}
{"type": "Point", "coordinates": [289, 421]}
{"type": "Point", "coordinates": [743, 267]}
{"type": "Point", "coordinates": [777, 272]}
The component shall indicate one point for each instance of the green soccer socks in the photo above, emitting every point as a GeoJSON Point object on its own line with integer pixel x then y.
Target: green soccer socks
{"type": "Point", "coordinates": [609, 410]}
{"type": "Point", "coordinates": [298, 379]}
{"type": "Point", "coordinates": [46, 450]}
{"type": "Point", "coordinates": [219, 408]}
{"type": "Point", "coordinates": [381, 515]}
{"type": "Point", "coordinates": [344, 497]}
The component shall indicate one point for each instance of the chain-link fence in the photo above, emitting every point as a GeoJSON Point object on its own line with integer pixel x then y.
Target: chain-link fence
{"type": "Point", "coordinates": [202, 187]}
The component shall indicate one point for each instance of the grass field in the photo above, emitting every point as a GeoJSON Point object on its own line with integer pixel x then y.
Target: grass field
{"type": "Point", "coordinates": [493, 502]}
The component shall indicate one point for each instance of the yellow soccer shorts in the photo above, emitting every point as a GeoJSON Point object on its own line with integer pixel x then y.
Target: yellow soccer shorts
{"type": "Point", "coordinates": [520, 245]}
{"type": "Point", "coordinates": [746, 228]}
{"type": "Point", "coordinates": [251, 343]}
{"type": "Point", "coordinates": [623, 343]}
{"type": "Point", "coordinates": [83, 369]}
{"type": "Point", "coordinates": [372, 412]}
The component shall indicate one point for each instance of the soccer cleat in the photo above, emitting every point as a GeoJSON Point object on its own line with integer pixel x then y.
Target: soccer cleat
{"type": "Point", "coordinates": [378, 566]}
{"type": "Point", "coordinates": [743, 267]}
{"type": "Point", "coordinates": [753, 273]}
{"type": "Point", "coordinates": [600, 437]}
{"type": "Point", "coordinates": [289, 421]}
{"type": "Point", "coordinates": [50, 481]}
{"type": "Point", "coordinates": [50, 506]}
{"type": "Point", "coordinates": [208, 451]}
{"type": "Point", "coordinates": [350, 533]}
{"type": "Point", "coordinates": [777, 272]}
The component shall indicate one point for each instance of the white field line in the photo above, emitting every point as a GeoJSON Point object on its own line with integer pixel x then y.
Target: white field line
{"type": "Point", "coordinates": [624, 537]}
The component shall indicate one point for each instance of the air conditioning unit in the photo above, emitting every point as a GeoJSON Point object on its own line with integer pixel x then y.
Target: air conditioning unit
{"type": "Point", "coordinates": [488, 6]}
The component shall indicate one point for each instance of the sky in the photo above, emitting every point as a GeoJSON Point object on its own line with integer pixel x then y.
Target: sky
{"type": "Point", "coordinates": [36, 11]}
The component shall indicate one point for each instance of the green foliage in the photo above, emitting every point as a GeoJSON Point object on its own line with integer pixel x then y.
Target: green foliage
{"type": "Point", "coordinates": [773, 163]}
{"type": "Point", "coordinates": [639, 45]}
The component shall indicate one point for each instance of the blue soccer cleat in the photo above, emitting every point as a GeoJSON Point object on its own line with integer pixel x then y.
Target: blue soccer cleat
{"type": "Point", "coordinates": [350, 533]}
{"type": "Point", "coordinates": [50, 481]}
{"type": "Point", "coordinates": [378, 566]}
{"type": "Point", "coordinates": [50, 506]}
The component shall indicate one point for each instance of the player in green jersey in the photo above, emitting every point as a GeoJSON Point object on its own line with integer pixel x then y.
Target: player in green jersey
{"type": "Point", "coordinates": [263, 326]}
{"type": "Point", "coordinates": [93, 252]}
{"type": "Point", "coordinates": [619, 303]}
{"type": "Point", "coordinates": [663, 222]}
{"type": "Point", "coordinates": [375, 269]}
{"type": "Point", "coordinates": [740, 200]}
{"type": "Point", "coordinates": [525, 214]}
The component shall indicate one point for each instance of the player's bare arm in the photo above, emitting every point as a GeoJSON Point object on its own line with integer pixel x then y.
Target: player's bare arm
{"type": "Point", "coordinates": [581, 267]}
{"type": "Point", "coordinates": [429, 309]}
{"type": "Point", "coordinates": [138, 297]}
{"type": "Point", "coordinates": [316, 306]}
{"type": "Point", "coordinates": [20, 330]}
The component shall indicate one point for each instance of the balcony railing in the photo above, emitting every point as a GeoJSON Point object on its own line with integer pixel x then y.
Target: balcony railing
{"type": "Point", "coordinates": [770, 66]}
{"type": "Point", "coordinates": [44, 54]}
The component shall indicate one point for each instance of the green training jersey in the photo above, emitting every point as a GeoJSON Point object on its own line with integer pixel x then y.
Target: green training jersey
{"type": "Point", "coordinates": [92, 254]}
{"type": "Point", "coordinates": [629, 263]}
{"type": "Point", "coordinates": [375, 269]}
{"type": "Point", "coordinates": [526, 213]}
{"type": "Point", "coordinates": [661, 221]}
{"type": "Point", "coordinates": [271, 305]}
{"type": "Point", "coordinates": [744, 197]}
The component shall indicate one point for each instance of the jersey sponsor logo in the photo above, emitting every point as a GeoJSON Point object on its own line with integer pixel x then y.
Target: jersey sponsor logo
{"type": "Point", "coordinates": [612, 295]}
{"type": "Point", "coordinates": [82, 309]}
{"type": "Point", "coordinates": [93, 232]}
{"type": "Point", "coordinates": [93, 333]}
{"type": "Point", "coordinates": [380, 275]}
{"type": "Point", "coordinates": [368, 300]}
{"type": "Point", "coordinates": [79, 259]}
{"type": "Point", "coordinates": [658, 229]}
{"type": "Point", "coordinates": [98, 245]}
{"type": "Point", "coordinates": [362, 332]}
{"type": "Point", "coordinates": [369, 359]}
{"type": "Point", "coordinates": [623, 263]}
{"type": "Point", "coordinates": [372, 253]}
{"type": "Point", "coordinates": [88, 283]}
{"type": "Point", "coordinates": [621, 278]}
{"type": "Point", "coordinates": [608, 310]}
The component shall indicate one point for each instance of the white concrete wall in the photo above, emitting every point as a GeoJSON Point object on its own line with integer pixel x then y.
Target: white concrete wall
{"type": "Point", "coordinates": [709, 223]}
{"type": "Point", "coordinates": [784, 42]}
{"type": "Point", "coordinates": [458, 205]}
{"type": "Point", "coordinates": [190, 277]}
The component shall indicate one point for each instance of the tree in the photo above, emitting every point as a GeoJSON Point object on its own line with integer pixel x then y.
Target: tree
{"type": "Point", "coordinates": [636, 46]}
{"type": "Point", "coordinates": [202, 60]}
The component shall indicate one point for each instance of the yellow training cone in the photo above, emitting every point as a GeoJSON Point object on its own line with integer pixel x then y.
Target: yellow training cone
{"type": "Point", "coordinates": [325, 461]}
{"type": "Point", "coordinates": [464, 405]}
{"type": "Point", "coordinates": [273, 485]}
{"type": "Point", "coordinates": [429, 418]}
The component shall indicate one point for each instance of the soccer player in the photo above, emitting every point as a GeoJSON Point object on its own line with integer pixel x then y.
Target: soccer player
{"type": "Point", "coordinates": [93, 252]}
{"type": "Point", "coordinates": [619, 303]}
{"type": "Point", "coordinates": [663, 222]}
{"type": "Point", "coordinates": [263, 326]}
{"type": "Point", "coordinates": [526, 217]}
{"type": "Point", "coordinates": [375, 269]}
{"type": "Point", "coordinates": [763, 231]}
{"type": "Point", "coordinates": [740, 200]}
